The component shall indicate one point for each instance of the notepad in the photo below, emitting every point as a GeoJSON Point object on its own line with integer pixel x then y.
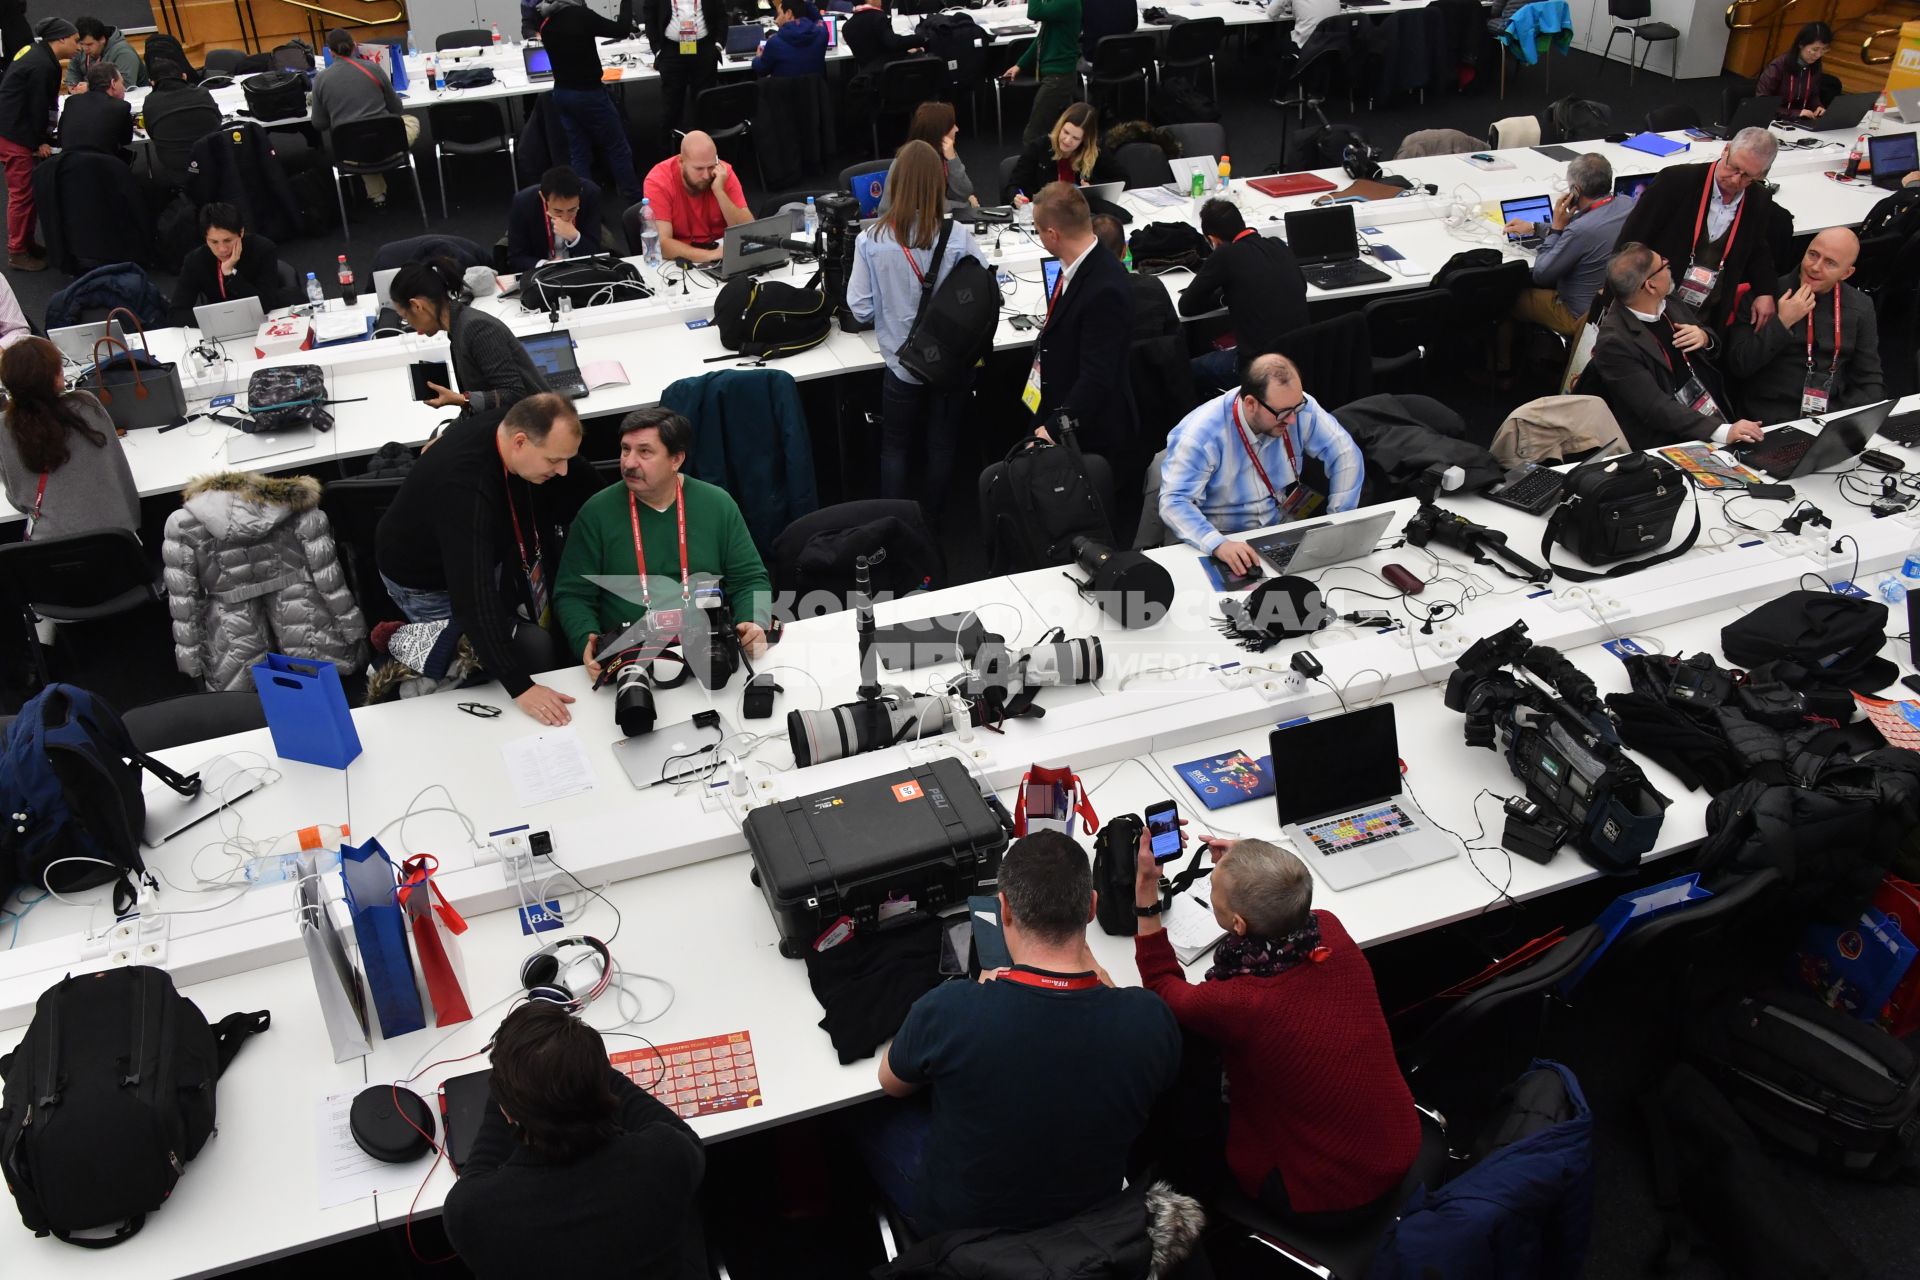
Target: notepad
{"type": "Point", "coordinates": [1653, 144]}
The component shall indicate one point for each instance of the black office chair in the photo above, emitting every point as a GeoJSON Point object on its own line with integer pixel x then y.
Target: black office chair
{"type": "Point", "coordinates": [378, 145]}
{"type": "Point", "coordinates": [1482, 297]}
{"type": "Point", "coordinates": [469, 129]}
{"type": "Point", "coordinates": [724, 112]}
{"type": "Point", "coordinates": [1144, 165]}
{"type": "Point", "coordinates": [1001, 558]}
{"type": "Point", "coordinates": [1199, 139]}
{"type": "Point", "coordinates": [1675, 115]}
{"type": "Point", "coordinates": [1630, 19]}
{"type": "Point", "coordinates": [901, 86]}
{"type": "Point", "coordinates": [466, 38]}
{"type": "Point", "coordinates": [1874, 267]}
{"type": "Point", "coordinates": [225, 62]}
{"type": "Point", "coordinates": [1683, 957]}
{"type": "Point", "coordinates": [1007, 165]}
{"type": "Point", "coordinates": [1003, 56]}
{"type": "Point", "coordinates": [193, 717]}
{"type": "Point", "coordinates": [1194, 44]}
{"type": "Point", "coordinates": [82, 578]}
{"type": "Point", "coordinates": [354, 507]}
{"type": "Point", "coordinates": [812, 558]}
{"type": "Point", "coordinates": [1403, 326]}
{"type": "Point", "coordinates": [1119, 61]}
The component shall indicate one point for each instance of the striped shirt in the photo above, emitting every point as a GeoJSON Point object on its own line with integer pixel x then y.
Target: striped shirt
{"type": "Point", "coordinates": [1209, 489]}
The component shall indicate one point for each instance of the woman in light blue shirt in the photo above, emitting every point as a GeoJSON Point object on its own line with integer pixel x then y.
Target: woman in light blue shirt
{"type": "Point", "coordinates": [891, 266]}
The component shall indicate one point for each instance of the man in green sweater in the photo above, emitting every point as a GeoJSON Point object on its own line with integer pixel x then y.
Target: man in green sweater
{"type": "Point", "coordinates": [1054, 57]}
{"type": "Point", "coordinates": [675, 524]}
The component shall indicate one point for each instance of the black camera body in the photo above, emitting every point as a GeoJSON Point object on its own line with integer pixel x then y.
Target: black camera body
{"type": "Point", "coordinates": [1436, 524]}
{"type": "Point", "coordinates": [839, 218]}
{"type": "Point", "coordinates": [699, 635]}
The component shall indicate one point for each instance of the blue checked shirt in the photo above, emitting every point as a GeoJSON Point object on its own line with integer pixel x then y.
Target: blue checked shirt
{"type": "Point", "coordinates": [1209, 490]}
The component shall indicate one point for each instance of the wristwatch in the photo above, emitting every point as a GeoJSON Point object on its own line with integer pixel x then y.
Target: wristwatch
{"type": "Point", "coordinates": [1153, 910]}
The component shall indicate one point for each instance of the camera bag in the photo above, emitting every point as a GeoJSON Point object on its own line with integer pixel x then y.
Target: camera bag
{"type": "Point", "coordinates": [768, 319]}
{"type": "Point", "coordinates": [1165, 246]}
{"type": "Point", "coordinates": [954, 325]}
{"type": "Point", "coordinates": [586, 282]}
{"type": "Point", "coordinates": [1814, 638]}
{"type": "Point", "coordinates": [924, 836]}
{"type": "Point", "coordinates": [108, 1095]}
{"type": "Point", "coordinates": [1039, 500]}
{"type": "Point", "coordinates": [275, 95]}
{"type": "Point", "coordinates": [1615, 508]}
{"type": "Point", "coordinates": [1116, 853]}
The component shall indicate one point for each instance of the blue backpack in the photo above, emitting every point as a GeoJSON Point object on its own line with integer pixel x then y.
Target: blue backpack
{"type": "Point", "coordinates": [71, 807]}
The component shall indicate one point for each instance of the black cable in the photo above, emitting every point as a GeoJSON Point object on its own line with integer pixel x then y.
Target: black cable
{"type": "Point", "coordinates": [586, 888]}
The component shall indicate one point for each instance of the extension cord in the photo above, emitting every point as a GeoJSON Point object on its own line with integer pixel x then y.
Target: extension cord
{"type": "Point", "coordinates": [1280, 686]}
{"type": "Point", "coordinates": [1445, 639]}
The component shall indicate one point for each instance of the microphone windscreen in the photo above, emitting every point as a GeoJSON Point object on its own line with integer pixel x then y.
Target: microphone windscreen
{"type": "Point", "coordinates": [1133, 589]}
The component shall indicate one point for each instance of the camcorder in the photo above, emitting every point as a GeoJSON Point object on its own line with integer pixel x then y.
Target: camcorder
{"type": "Point", "coordinates": [838, 214]}
{"type": "Point", "coordinates": [1563, 745]}
{"type": "Point", "coordinates": [663, 647]}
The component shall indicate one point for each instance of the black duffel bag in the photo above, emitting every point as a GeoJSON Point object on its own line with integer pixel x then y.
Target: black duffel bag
{"type": "Point", "coordinates": [768, 319]}
{"type": "Point", "coordinates": [1163, 246]}
{"type": "Point", "coordinates": [1615, 508]}
{"type": "Point", "coordinates": [470, 78]}
{"type": "Point", "coordinates": [589, 282]}
{"type": "Point", "coordinates": [1813, 638]}
{"type": "Point", "coordinates": [275, 95]}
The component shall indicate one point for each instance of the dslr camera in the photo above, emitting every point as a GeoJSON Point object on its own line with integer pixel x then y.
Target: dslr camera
{"type": "Point", "coordinates": [663, 647]}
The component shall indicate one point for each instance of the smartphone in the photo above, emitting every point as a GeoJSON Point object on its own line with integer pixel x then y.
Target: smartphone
{"type": "Point", "coordinates": [1163, 830]}
{"type": "Point", "coordinates": [464, 1101]}
{"type": "Point", "coordinates": [425, 371]}
{"type": "Point", "coordinates": [1911, 682]}
{"type": "Point", "coordinates": [1022, 322]}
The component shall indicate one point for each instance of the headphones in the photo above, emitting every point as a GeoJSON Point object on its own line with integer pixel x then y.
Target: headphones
{"type": "Point", "coordinates": [574, 983]}
{"type": "Point", "coordinates": [1361, 161]}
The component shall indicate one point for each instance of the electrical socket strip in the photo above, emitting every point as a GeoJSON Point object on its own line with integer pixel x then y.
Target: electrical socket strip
{"type": "Point", "coordinates": [1445, 640]}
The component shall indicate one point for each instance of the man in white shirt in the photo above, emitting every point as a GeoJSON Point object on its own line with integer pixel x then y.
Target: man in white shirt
{"type": "Point", "coordinates": [1307, 15]}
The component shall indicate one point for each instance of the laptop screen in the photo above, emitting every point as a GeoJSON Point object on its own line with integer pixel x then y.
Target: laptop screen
{"type": "Point", "coordinates": [1335, 763]}
{"type": "Point", "coordinates": [1322, 235]}
{"type": "Point", "coordinates": [866, 189]}
{"type": "Point", "coordinates": [552, 352]}
{"type": "Point", "coordinates": [539, 61]}
{"type": "Point", "coordinates": [1892, 155]}
{"type": "Point", "coordinates": [1631, 184]}
{"type": "Point", "coordinates": [1528, 209]}
{"type": "Point", "coordinates": [744, 37]}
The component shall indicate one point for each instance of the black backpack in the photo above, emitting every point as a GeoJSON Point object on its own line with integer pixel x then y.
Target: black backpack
{"type": "Point", "coordinates": [275, 95]}
{"type": "Point", "coordinates": [1115, 858]}
{"type": "Point", "coordinates": [589, 282]}
{"type": "Point", "coordinates": [954, 326]}
{"type": "Point", "coordinates": [161, 46]}
{"type": "Point", "coordinates": [108, 1095]}
{"type": "Point", "coordinates": [1576, 120]}
{"type": "Point", "coordinates": [1897, 215]}
{"type": "Point", "coordinates": [1165, 246]}
{"type": "Point", "coordinates": [959, 41]}
{"type": "Point", "coordinates": [769, 319]}
{"type": "Point", "coordinates": [287, 396]}
{"type": "Point", "coordinates": [1615, 508]}
{"type": "Point", "coordinates": [1038, 501]}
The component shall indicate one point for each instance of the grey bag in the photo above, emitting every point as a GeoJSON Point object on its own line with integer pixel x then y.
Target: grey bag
{"type": "Point", "coordinates": [135, 389]}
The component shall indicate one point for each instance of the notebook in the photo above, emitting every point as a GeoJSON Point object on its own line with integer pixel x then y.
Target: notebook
{"type": "Point", "coordinates": [1219, 781]}
{"type": "Point", "coordinates": [1654, 145]}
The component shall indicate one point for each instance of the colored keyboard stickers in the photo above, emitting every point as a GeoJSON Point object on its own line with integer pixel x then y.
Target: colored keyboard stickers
{"type": "Point", "coordinates": [697, 1077]}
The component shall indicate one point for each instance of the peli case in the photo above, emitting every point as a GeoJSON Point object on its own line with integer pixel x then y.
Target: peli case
{"type": "Point", "coordinates": [925, 835]}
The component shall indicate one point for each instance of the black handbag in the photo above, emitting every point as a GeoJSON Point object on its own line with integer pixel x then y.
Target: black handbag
{"type": "Point", "coordinates": [588, 282]}
{"type": "Point", "coordinates": [275, 95]}
{"type": "Point", "coordinates": [470, 78]}
{"type": "Point", "coordinates": [1615, 508]}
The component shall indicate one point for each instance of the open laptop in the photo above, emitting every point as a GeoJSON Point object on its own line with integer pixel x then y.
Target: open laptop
{"type": "Point", "coordinates": [1893, 156]}
{"type": "Point", "coordinates": [1316, 544]}
{"type": "Point", "coordinates": [1756, 112]}
{"type": "Point", "coordinates": [738, 258]}
{"type": "Point", "coordinates": [229, 321]}
{"type": "Point", "coordinates": [867, 188]}
{"type": "Point", "coordinates": [1789, 452]}
{"type": "Point", "coordinates": [1327, 247]}
{"type": "Point", "coordinates": [1208, 167]}
{"type": "Point", "coordinates": [1336, 781]}
{"type": "Point", "coordinates": [1632, 185]}
{"type": "Point", "coordinates": [553, 353]}
{"type": "Point", "coordinates": [1907, 103]}
{"type": "Point", "coordinates": [539, 63]}
{"type": "Point", "coordinates": [76, 340]}
{"type": "Point", "coordinates": [1534, 209]}
{"type": "Point", "coordinates": [743, 41]}
{"type": "Point", "coordinates": [1107, 192]}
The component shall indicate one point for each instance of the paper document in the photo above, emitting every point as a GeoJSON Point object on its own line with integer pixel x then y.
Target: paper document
{"type": "Point", "coordinates": [345, 1172]}
{"type": "Point", "coordinates": [548, 766]}
{"type": "Point", "coordinates": [603, 373]}
{"type": "Point", "coordinates": [1158, 197]}
{"type": "Point", "coordinates": [1190, 925]}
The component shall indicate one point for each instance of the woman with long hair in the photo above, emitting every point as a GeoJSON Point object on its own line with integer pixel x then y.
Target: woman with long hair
{"type": "Point", "coordinates": [60, 460]}
{"type": "Point", "coordinates": [1794, 77]}
{"type": "Point", "coordinates": [892, 266]}
{"type": "Point", "coordinates": [935, 124]}
{"type": "Point", "coordinates": [492, 367]}
{"type": "Point", "coordinates": [1070, 154]}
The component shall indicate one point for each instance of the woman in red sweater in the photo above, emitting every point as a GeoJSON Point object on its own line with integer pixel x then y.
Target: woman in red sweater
{"type": "Point", "coordinates": [1320, 1124]}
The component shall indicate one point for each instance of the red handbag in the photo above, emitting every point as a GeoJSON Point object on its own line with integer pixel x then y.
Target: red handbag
{"type": "Point", "coordinates": [1053, 796]}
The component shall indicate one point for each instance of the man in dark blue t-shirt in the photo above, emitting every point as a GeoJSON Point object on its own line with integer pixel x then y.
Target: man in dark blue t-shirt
{"type": "Point", "coordinates": [1040, 1077]}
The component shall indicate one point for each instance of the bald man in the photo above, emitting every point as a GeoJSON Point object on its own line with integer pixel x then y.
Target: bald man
{"type": "Point", "coordinates": [696, 196]}
{"type": "Point", "coordinates": [1821, 350]}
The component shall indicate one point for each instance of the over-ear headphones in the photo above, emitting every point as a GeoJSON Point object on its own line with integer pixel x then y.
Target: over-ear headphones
{"type": "Point", "coordinates": [1361, 160]}
{"type": "Point", "coordinates": [574, 982]}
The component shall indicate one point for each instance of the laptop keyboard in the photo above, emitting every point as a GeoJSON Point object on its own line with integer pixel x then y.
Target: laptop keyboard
{"type": "Point", "coordinates": [1903, 428]}
{"type": "Point", "coordinates": [1530, 488]}
{"type": "Point", "coordinates": [1780, 452]}
{"type": "Point", "coordinates": [1343, 275]}
{"type": "Point", "coordinates": [1278, 554]}
{"type": "Point", "coordinates": [1351, 831]}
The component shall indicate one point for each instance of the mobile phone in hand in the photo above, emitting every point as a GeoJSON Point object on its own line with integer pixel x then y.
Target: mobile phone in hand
{"type": "Point", "coordinates": [1163, 830]}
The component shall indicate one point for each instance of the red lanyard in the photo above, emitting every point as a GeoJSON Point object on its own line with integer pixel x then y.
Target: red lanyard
{"type": "Point", "coordinates": [364, 70]}
{"type": "Point", "coordinates": [220, 278]}
{"type": "Point", "coordinates": [1836, 332]}
{"type": "Point", "coordinates": [1699, 218]}
{"type": "Point", "coordinates": [1286, 442]}
{"type": "Point", "coordinates": [519, 540]}
{"type": "Point", "coordinates": [1051, 981]}
{"type": "Point", "coordinates": [1244, 234]}
{"type": "Point", "coordinates": [921, 276]}
{"type": "Point", "coordinates": [640, 551]}
{"type": "Point", "coordinates": [39, 496]}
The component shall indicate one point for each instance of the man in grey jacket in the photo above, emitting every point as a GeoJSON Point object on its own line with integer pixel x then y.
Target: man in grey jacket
{"type": "Point", "coordinates": [1572, 260]}
{"type": "Point", "coordinates": [354, 89]}
{"type": "Point", "coordinates": [101, 43]}
{"type": "Point", "coordinates": [1821, 350]}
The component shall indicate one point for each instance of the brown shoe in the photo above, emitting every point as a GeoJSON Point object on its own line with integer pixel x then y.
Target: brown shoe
{"type": "Point", "coordinates": [25, 262]}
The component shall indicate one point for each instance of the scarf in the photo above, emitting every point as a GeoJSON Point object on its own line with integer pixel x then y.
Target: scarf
{"type": "Point", "coordinates": [1252, 957]}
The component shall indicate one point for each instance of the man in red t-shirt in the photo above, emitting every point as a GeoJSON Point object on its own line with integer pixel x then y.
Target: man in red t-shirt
{"type": "Point", "coordinates": [695, 198]}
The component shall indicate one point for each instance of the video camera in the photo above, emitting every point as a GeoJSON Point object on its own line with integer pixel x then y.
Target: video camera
{"type": "Point", "coordinates": [700, 640]}
{"type": "Point", "coordinates": [1562, 745]}
{"type": "Point", "coordinates": [1436, 524]}
{"type": "Point", "coordinates": [839, 217]}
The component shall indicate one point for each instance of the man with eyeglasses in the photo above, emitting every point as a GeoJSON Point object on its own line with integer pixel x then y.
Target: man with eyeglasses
{"type": "Point", "coordinates": [1711, 222]}
{"type": "Point", "coordinates": [1234, 463]}
{"type": "Point", "coordinates": [1651, 361]}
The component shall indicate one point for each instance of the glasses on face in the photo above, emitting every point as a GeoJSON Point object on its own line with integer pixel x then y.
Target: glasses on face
{"type": "Point", "coordinates": [1744, 175]}
{"type": "Point", "coordinates": [1281, 417]}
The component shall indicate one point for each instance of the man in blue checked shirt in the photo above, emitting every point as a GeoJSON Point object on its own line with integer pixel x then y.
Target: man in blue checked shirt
{"type": "Point", "coordinates": [1234, 463]}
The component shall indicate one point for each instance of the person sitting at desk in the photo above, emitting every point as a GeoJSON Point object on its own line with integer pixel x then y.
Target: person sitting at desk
{"type": "Point", "coordinates": [29, 97]}
{"type": "Point", "coordinates": [178, 113]}
{"type": "Point", "coordinates": [571, 32]}
{"type": "Point", "coordinates": [798, 45]}
{"type": "Point", "coordinates": [97, 117]}
{"type": "Point", "coordinates": [871, 41]}
{"type": "Point", "coordinates": [571, 1153]}
{"type": "Point", "coordinates": [1040, 1077]}
{"type": "Point", "coordinates": [1794, 77]}
{"type": "Point", "coordinates": [1234, 463]}
{"type": "Point", "coordinates": [1306, 16]}
{"type": "Point", "coordinates": [467, 535]}
{"type": "Point", "coordinates": [1153, 313]}
{"type": "Point", "coordinates": [491, 365]}
{"type": "Point", "coordinates": [60, 458]}
{"type": "Point", "coordinates": [1650, 361]}
{"type": "Point", "coordinates": [556, 220]}
{"type": "Point", "coordinates": [227, 264]}
{"type": "Point", "coordinates": [1821, 316]}
{"type": "Point", "coordinates": [1572, 259]}
{"type": "Point", "coordinates": [934, 123]}
{"type": "Point", "coordinates": [1711, 222]}
{"type": "Point", "coordinates": [102, 45]}
{"type": "Point", "coordinates": [1069, 154]}
{"type": "Point", "coordinates": [1321, 1124]}
{"type": "Point", "coordinates": [354, 89]}
{"type": "Point", "coordinates": [693, 527]}
{"type": "Point", "coordinates": [696, 196]}
{"type": "Point", "coordinates": [1256, 279]}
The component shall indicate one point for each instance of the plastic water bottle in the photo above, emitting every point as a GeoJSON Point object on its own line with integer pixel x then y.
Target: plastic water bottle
{"type": "Point", "coordinates": [1910, 567]}
{"type": "Point", "coordinates": [496, 35]}
{"type": "Point", "coordinates": [347, 290]}
{"type": "Point", "coordinates": [1022, 209]}
{"type": "Point", "coordinates": [315, 294]}
{"type": "Point", "coordinates": [813, 219]}
{"type": "Point", "coordinates": [1893, 590]}
{"type": "Point", "coordinates": [1877, 118]}
{"type": "Point", "coordinates": [1226, 175]}
{"type": "Point", "coordinates": [650, 232]}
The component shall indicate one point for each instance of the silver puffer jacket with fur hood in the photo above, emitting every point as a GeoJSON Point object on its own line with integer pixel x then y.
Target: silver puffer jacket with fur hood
{"type": "Point", "coordinates": [251, 569]}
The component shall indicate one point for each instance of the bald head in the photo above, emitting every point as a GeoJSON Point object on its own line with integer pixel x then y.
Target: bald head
{"type": "Point", "coordinates": [699, 161]}
{"type": "Point", "coordinates": [1829, 260]}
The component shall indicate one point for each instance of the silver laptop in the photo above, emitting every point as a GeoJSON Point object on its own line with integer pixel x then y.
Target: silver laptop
{"type": "Point", "coordinates": [1907, 103]}
{"type": "Point", "coordinates": [229, 321]}
{"type": "Point", "coordinates": [221, 783]}
{"type": "Point", "coordinates": [242, 447]}
{"type": "Point", "coordinates": [1316, 544]}
{"type": "Point", "coordinates": [1337, 783]}
{"type": "Point", "coordinates": [1108, 192]}
{"type": "Point", "coordinates": [76, 340]}
{"type": "Point", "coordinates": [672, 753]}
{"type": "Point", "coordinates": [1208, 167]}
{"type": "Point", "coordinates": [737, 257]}
{"type": "Point", "coordinates": [383, 286]}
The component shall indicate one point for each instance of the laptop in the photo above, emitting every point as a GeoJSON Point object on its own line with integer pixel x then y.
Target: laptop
{"type": "Point", "coordinates": [553, 353]}
{"type": "Point", "coordinates": [1893, 156]}
{"type": "Point", "coordinates": [539, 63]}
{"type": "Point", "coordinates": [1907, 103]}
{"type": "Point", "coordinates": [383, 286]}
{"type": "Point", "coordinates": [243, 448]}
{"type": "Point", "coordinates": [1534, 209]}
{"type": "Point", "coordinates": [738, 258]}
{"type": "Point", "coordinates": [1336, 782]}
{"type": "Point", "coordinates": [673, 753]}
{"type": "Point", "coordinates": [1208, 167]}
{"type": "Point", "coordinates": [1632, 185]}
{"type": "Point", "coordinates": [1327, 247]}
{"type": "Point", "coordinates": [1316, 544]}
{"type": "Point", "coordinates": [76, 340]}
{"type": "Point", "coordinates": [1845, 113]}
{"type": "Point", "coordinates": [1788, 452]}
{"type": "Point", "coordinates": [1755, 113]}
{"type": "Point", "coordinates": [867, 187]}
{"type": "Point", "coordinates": [229, 321]}
{"type": "Point", "coordinates": [743, 41]}
{"type": "Point", "coordinates": [1105, 192]}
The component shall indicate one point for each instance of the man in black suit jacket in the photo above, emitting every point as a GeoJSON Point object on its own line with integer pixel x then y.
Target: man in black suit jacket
{"type": "Point", "coordinates": [687, 36]}
{"type": "Point", "coordinates": [556, 220]}
{"type": "Point", "coordinates": [1714, 218]}
{"type": "Point", "coordinates": [1080, 367]}
{"type": "Point", "coordinates": [99, 118]}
